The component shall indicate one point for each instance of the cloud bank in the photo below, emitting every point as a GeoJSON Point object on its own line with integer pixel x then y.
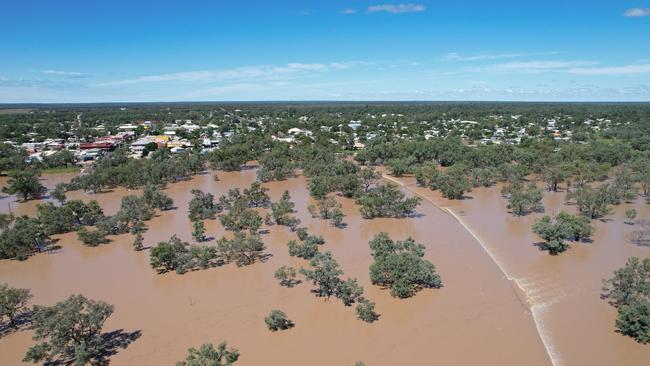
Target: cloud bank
{"type": "Point", "coordinates": [637, 12]}
{"type": "Point", "coordinates": [397, 8]}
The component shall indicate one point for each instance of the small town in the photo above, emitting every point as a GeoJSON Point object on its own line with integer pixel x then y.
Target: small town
{"type": "Point", "coordinates": [325, 183]}
{"type": "Point", "coordinates": [142, 136]}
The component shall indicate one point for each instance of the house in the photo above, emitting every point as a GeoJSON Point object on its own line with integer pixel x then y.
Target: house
{"type": "Point", "coordinates": [97, 145]}
{"type": "Point", "coordinates": [127, 127]}
{"type": "Point", "coordinates": [354, 125]}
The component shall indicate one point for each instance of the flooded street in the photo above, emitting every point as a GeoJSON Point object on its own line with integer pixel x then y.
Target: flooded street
{"type": "Point", "coordinates": [477, 317]}
{"type": "Point", "coordinates": [562, 291]}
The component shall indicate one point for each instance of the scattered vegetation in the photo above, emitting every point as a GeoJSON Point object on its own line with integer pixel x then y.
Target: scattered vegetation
{"type": "Point", "coordinates": [14, 302]}
{"type": "Point", "coordinates": [202, 206]}
{"type": "Point", "coordinates": [207, 355]}
{"type": "Point", "coordinates": [562, 228]}
{"type": "Point", "coordinates": [286, 276]}
{"type": "Point", "coordinates": [282, 210]}
{"type": "Point", "coordinates": [70, 332]}
{"type": "Point", "coordinates": [629, 291]}
{"type": "Point", "coordinates": [25, 183]}
{"type": "Point", "coordinates": [399, 266]}
{"type": "Point", "coordinates": [386, 200]}
{"type": "Point", "coordinates": [278, 320]}
{"type": "Point", "coordinates": [366, 311]}
{"type": "Point", "coordinates": [328, 208]}
{"type": "Point", "coordinates": [522, 201]}
{"type": "Point", "coordinates": [308, 246]}
{"type": "Point", "coordinates": [91, 238]}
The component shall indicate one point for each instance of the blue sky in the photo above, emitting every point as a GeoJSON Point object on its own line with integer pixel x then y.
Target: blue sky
{"type": "Point", "coordinates": [238, 50]}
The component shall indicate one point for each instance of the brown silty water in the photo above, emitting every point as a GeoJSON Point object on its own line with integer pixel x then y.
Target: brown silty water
{"type": "Point", "coordinates": [476, 318]}
{"type": "Point", "coordinates": [563, 291]}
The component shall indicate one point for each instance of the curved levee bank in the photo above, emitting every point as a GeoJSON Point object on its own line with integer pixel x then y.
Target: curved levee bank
{"type": "Point", "coordinates": [476, 318]}
{"type": "Point", "coordinates": [519, 290]}
{"type": "Point", "coordinates": [563, 292]}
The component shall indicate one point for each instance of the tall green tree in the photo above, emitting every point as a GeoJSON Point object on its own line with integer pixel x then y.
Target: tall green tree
{"type": "Point", "coordinates": [69, 331]}
{"type": "Point", "coordinates": [207, 355]}
{"type": "Point", "coordinates": [399, 266]}
{"type": "Point", "coordinates": [13, 303]}
{"type": "Point", "coordinates": [25, 183]}
{"type": "Point", "coordinates": [629, 291]}
{"type": "Point", "coordinates": [324, 275]}
{"type": "Point", "coordinates": [386, 200]}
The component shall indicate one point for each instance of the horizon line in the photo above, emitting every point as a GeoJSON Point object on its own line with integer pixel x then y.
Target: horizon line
{"type": "Point", "coordinates": [322, 101]}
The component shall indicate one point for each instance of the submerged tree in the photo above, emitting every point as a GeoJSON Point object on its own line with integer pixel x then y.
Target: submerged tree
{"type": "Point", "coordinates": [242, 249]}
{"type": "Point", "coordinates": [325, 275]}
{"type": "Point", "coordinates": [349, 291]}
{"type": "Point", "coordinates": [629, 291]}
{"type": "Point", "coordinates": [138, 242]}
{"type": "Point", "coordinates": [22, 238]}
{"type": "Point", "coordinates": [282, 211]}
{"type": "Point", "coordinates": [257, 195]}
{"type": "Point", "coordinates": [69, 331]}
{"type": "Point", "coordinates": [202, 206]}
{"type": "Point", "coordinates": [308, 248]}
{"type": "Point", "coordinates": [593, 202]}
{"type": "Point", "coordinates": [386, 200]}
{"type": "Point", "coordinates": [563, 227]}
{"type": "Point", "coordinates": [155, 198]}
{"type": "Point", "coordinates": [170, 255]}
{"type": "Point", "coordinates": [286, 275]}
{"type": "Point", "coordinates": [454, 183]}
{"type": "Point", "coordinates": [240, 218]}
{"type": "Point", "coordinates": [58, 193]}
{"type": "Point", "coordinates": [399, 266]}
{"type": "Point", "coordinates": [283, 207]}
{"type": "Point", "coordinates": [366, 311]}
{"type": "Point", "coordinates": [91, 238]}
{"type": "Point", "coordinates": [13, 303]}
{"type": "Point", "coordinates": [328, 209]}
{"type": "Point", "coordinates": [369, 178]}
{"type": "Point", "coordinates": [522, 201]}
{"type": "Point", "coordinates": [25, 183]}
{"type": "Point", "coordinates": [630, 215]}
{"type": "Point", "coordinates": [427, 175]}
{"type": "Point", "coordinates": [207, 355]}
{"type": "Point", "coordinates": [278, 320]}
{"type": "Point", "coordinates": [554, 174]}
{"type": "Point", "coordinates": [198, 232]}
{"type": "Point", "coordinates": [276, 164]}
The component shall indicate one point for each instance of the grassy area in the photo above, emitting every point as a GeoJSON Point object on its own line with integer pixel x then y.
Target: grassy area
{"type": "Point", "coordinates": [70, 169]}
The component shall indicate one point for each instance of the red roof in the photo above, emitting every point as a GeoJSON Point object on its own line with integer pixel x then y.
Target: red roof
{"type": "Point", "coordinates": [96, 145]}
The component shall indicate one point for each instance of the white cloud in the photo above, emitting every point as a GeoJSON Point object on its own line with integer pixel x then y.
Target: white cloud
{"type": "Point", "coordinates": [453, 56]}
{"type": "Point", "coordinates": [348, 11]}
{"type": "Point", "coordinates": [576, 67]}
{"type": "Point", "coordinates": [396, 8]}
{"type": "Point", "coordinates": [611, 70]}
{"type": "Point", "coordinates": [530, 67]}
{"type": "Point", "coordinates": [637, 12]}
{"type": "Point", "coordinates": [239, 74]}
{"type": "Point", "coordinates": [62, 73]}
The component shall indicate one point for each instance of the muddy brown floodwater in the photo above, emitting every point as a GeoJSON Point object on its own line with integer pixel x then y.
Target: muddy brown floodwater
{"type": "Point", "coordinates": [562, 291]}
{"type": "Point", "coordinates": [479, 317]}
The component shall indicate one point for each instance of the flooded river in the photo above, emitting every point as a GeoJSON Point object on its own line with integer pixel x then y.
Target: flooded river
{"type": "Point", "coordinates": [563, 292]}
{"type": "Point", "coordinates": [500, 292]}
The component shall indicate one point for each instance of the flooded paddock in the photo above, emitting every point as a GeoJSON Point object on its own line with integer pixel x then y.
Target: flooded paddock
{"type": "Point", "coordinates": [563, 291]}
{"type": "Point", "coordinates": [479, 316]}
